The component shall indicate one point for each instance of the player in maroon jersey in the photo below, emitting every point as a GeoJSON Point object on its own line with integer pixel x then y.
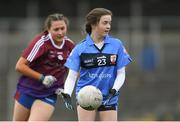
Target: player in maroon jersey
{"type": "Point", "coordinates": [42, 68]}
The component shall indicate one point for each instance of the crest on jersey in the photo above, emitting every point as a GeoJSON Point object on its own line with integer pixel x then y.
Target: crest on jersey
{"type": "Point", "coordinates": [60, 57]}
{"type": "Point", "coordinates": [113, 59]}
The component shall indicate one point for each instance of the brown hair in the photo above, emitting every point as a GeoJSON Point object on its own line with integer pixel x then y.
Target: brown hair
{"type": "Point", "coordinates": [93, 17]}
{"type": "Point", "coordinates": [54, 17]}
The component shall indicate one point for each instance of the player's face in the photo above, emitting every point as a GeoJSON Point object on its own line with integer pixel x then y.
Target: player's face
{"type": "Point", "coordinates": [104, 25]}
{"type": "Point", "coordinates": [58, 30]}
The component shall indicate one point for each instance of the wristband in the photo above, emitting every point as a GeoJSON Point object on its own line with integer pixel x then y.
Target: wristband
{"type": "Point", "coordinates": [42, 77]}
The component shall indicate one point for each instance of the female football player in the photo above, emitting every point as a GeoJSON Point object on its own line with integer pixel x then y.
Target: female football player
{"type": "Point", "coordinates": [42, 68]}
{"type": "Point", "coordinates": [100, 60]}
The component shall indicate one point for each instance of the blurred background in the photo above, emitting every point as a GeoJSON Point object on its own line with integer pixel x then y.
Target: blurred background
{"type": "Point", "coordinates": [150, 30]}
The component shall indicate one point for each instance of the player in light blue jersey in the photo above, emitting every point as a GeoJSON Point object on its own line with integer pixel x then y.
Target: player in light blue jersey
{"type": "Point", "coordinates": [100, 61]}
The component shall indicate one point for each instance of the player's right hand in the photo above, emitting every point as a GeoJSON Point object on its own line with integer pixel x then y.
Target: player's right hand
{"type": "Point", "coordinates": [66, 98]}
{"type": "Point", "coordinates": [48, 80]}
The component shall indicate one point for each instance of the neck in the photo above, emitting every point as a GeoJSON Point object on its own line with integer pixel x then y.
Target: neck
{"type": "Point", "coordinates": [96, 38]}
{"type": "Point", "coordinates": [58, 42]}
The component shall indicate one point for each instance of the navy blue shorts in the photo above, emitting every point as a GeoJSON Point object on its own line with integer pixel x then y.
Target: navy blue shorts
{"type": "Point", "coordinates": [107, 107]}
{"type": "Point", "coordinates": [27, 100]}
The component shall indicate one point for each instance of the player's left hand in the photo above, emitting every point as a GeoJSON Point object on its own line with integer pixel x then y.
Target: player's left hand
{"type": "Point", "coordinates": [112, 92]}
{"type": "Point", "coordinates": [66, 98]}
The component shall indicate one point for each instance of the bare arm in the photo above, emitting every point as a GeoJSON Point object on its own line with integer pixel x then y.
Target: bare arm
{"type": "Point", "coordinates": [22, 67]}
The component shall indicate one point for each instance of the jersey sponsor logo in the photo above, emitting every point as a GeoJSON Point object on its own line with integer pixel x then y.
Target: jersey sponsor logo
{"type": "Point", "coordinates": [88, 61]}
{"type": "Point", "coordinates": [93, 60]}
{"type": "Point", "coordinates": [100, 76]}
{"type": "Point", "coordinates": [52, 54]}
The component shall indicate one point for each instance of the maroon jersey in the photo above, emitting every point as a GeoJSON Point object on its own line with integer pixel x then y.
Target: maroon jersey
{"type": "Point", "coordinates": [47, 58]}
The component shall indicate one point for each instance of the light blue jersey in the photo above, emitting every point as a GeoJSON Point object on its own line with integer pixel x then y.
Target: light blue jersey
{"type": "Point", "coordinates": [98, 67]}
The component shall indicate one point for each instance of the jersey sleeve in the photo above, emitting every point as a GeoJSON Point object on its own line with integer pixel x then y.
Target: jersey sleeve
{"type": "Point", "coordinates": [34, 50]}
{"type": "Point", "coordinates": [123, 57]}
{"type": "Point", "coordinates": [73, 61]}
{"type": "Point", "coordinates": [72, 45]}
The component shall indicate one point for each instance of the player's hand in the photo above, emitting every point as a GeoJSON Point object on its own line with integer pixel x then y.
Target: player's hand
{"type": "Point", "coordinates": [66, 98]}
{"type": "Point", "coordinates": [112, 93]}
{"type": "Point", "coordinates": [48, 80]}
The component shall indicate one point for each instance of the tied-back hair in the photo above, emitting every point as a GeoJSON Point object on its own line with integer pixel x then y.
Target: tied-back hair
{"type": "Point", "coordinates": [54, 17]}
{"type": "Point", "coordinates": [93, 17]}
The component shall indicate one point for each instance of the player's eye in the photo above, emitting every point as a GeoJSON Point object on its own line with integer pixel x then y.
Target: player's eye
{"type": "Point", "coordinates": [56, 29]}
{"type": "Point", "coordinates": [62, 28]}
{"type": "Point", "coordinates": [106, 22]}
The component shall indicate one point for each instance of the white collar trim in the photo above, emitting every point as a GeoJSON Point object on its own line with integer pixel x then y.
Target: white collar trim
{"type": "Point", "coordinates": [56, 46]}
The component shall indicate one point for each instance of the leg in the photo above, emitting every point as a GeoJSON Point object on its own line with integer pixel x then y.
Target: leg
{"type": "Point", "coordinates": [84, 115]}
{"type": "Point", "coordinates": [41, 111]}
{"type": "Point", "coordinates": [21, 113]}
{"type": "Point", "coordinates": [109, 115]}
